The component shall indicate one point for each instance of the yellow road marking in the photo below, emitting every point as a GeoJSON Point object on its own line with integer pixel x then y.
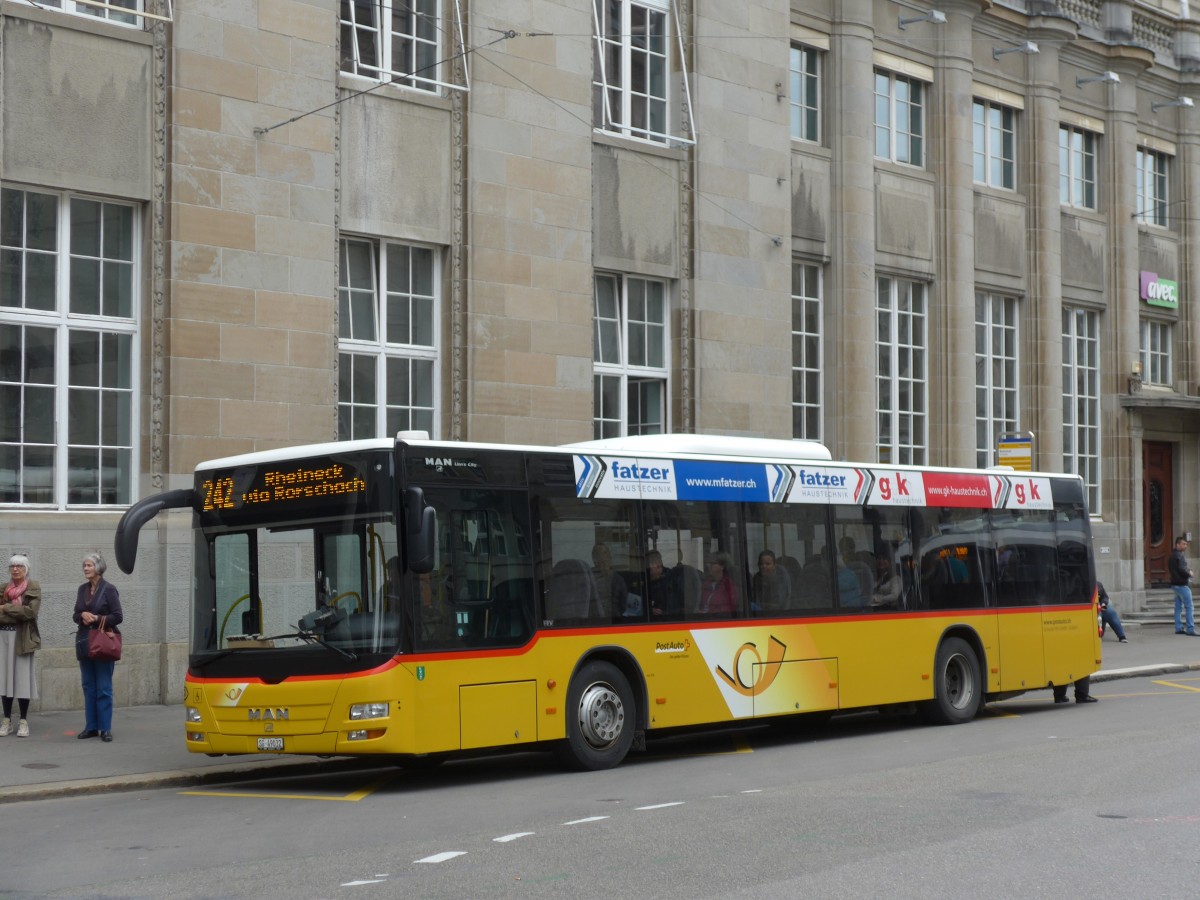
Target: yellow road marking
{"type": "Point", "coordinates": [1182, 687]}
{"type": "Point", "coordinates": [352, 797]}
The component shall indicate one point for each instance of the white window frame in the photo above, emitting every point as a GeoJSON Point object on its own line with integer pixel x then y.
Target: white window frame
{"type": "Point", "coordinates": [900, 99]}
{"type": "Point", "coordinates": [808, 352]}
{"type": "Point", "coordinates": [607, 84]}
{"type": "Point", "coordinates": [364, 349]}
{"type": "Point", "coordinates": [1081, 399]}
{"type": "Point", "coordinates": [426, 77]}
{"type": "Point", "coordinates": [1078, 156]}
{"type": "Point", "coordinates": [1157, 340]}
{"type": "Point", "coordinates": [126, 13]}
{"type": "Point", "coordinates": [1153, 167]}
{"type": "Point", "coordinates": [997, 372]}
{"type": "Point", "coordinates": [901, 367]}
{"type": "Point", "coordinates": [113, 394]}
{"type": "Point", "coordinates": [616, 347]}
{"type": "Point", "coordinates": [994, 138]}
{"type": "Point", "coordinates": [805, 66]}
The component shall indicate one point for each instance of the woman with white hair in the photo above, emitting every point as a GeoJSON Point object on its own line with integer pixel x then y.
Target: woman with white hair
{"type": "Point", "coordinates": [20, 600]}
{"type": "Point", "coordinates": [97, 605]}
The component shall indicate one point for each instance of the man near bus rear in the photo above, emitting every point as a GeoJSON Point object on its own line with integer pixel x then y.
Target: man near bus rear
{"type": "Point", "coordinates": [1181, 573]}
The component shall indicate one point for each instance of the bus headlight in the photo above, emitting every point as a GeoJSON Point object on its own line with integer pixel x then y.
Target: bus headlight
{"type": "Point", "coordinates": [195, 735]}
{"type": "Point", "coordinates": [193, 715]}
{"type": "Point", "coordinates": [369, 711]}
{"type": "Point", "coordinates": [365, 735]}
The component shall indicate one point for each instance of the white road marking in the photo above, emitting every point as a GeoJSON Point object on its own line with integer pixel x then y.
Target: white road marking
{"type": "Point", "coordinates": [659, 805]}
{"type": "Point", "coordinates": [754, 791]}
{"type": "Point", "coordinates": [588, 819]}
{"type": "Point", "coordinates": [364, 881]}
{"type": "Point", "coordinates": [441, 857]}
{"type": "Point", "coordinates": [504, 839]}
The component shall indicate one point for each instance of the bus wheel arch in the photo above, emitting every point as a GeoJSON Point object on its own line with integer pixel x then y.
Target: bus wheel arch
{"type": "Point", "coordinates": [958, 680]}
{"type": "Point", "coordinates": [604, 712]}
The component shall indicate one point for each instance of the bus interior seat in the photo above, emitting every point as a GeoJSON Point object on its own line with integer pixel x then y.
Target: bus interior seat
{"type": "Point", "coordinates": [572, 593]}
{"type": "Point", "coordinates": [866, 580]}
{"type": "Point", "coordinates": [689, 582]}
{"type": "Point", "coordinates": [791, 565]}
{"type": "Point", "coordinates": [815, 591]}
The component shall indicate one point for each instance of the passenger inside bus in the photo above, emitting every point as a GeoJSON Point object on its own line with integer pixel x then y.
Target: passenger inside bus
{"type": "Point", "coordinates": [664, 594]}
{"type": "Point", "coordinates": [609, 583]}
{"type": "Point", "coordinates": [772, 588]}
{"type": "Point", "coordinates": [718, 595]}
{"type": "Point", "coordinates": [888, 584]}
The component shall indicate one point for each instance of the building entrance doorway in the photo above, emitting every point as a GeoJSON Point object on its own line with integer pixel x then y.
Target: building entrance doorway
{"type": "Point", "coordinates": [1158, 525]}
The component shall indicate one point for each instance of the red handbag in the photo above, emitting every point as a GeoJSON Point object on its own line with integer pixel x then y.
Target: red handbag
{"type": "Point", "coordinates": [104, 645]}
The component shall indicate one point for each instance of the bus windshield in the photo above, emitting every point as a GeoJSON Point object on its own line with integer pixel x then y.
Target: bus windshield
{"type": "Point", "coordinates": [286, 588]}
{"type": "Point", "coordinates": [297, 568]}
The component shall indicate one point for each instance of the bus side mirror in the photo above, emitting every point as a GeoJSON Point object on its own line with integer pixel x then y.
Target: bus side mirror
{"type": "Point", "coordinates": [420, 526]}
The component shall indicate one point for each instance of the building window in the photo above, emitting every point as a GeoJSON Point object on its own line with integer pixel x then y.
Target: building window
{"type": "Point", "coordinates": [899, 119]}
{"type": "Point", "coordinates": [994, 131]}
{"type": "Point", "coordinates": [392, 40]}
{"type": "Point", "coordinates": [996, 373]}
{"type": "Point", "coordinates": [630, 91]}
{"type": "Point", "coordinates": [1076, 167]}
{"type": "Point", "coordinates": [68, 366]}
{"type": "Point", "coordinates": [900, 371]}
{"type": "Point", "coordinates": [805, 92]}
{"type": "Point", "coordinates": [99, 12]}
{"type": "Point", "coordinates": [1151, 187]}
{"type": "Point", "coordinates": [630, 353]}
{"type": "Point", "coordinates": [1081, 399]}
{"type": "Point", "coordinates": [1156, 352]}
{"type": "Point", "coordinates": [387, 339]}
{"type": "Point", "coordinates": [806, 352]}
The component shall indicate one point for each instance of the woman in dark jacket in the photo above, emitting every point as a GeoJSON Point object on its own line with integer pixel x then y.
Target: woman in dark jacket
{"type": "Point", "coordinates": [97, 603]}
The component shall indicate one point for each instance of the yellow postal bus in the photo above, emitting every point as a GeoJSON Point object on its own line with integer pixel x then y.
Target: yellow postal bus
{"type": "Point", "coordinates": [414, 598]}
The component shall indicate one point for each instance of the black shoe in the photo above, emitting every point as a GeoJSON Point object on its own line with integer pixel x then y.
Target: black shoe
{"type": "Point", "coordinates": [1122, 640]}
{"type": "Point", "coordinates": [1062, 699]}
{"type": "Point", "coordinates": [1181, 632]}
{"type": "Point", "coordinates": [1088, 699]}
{"type": "Point", "coordinates": [89, 733]}
{"type": "Point", "coordinates": [106, 736]}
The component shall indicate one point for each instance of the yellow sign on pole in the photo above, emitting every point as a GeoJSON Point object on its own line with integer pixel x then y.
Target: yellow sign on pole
{"type": "Point", "coordinates": [1015, 451]}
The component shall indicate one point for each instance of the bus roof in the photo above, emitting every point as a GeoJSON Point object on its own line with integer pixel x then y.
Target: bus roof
{"type": "Point", "coordinates": [708, 445]}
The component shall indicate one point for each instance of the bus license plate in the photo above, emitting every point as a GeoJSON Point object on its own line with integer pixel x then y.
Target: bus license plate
{"type": "Point", "coordinates": [271, 743]}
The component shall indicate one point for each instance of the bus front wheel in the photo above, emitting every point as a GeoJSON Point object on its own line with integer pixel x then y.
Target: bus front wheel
{"type": "Point", "coordinates": [601, 718]}
{"type": "Point", "coordinates": [957, 684]}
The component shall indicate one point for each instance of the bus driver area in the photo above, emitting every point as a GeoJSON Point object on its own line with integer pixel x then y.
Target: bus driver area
{"type": "Point", "coordinates": [414, 598]}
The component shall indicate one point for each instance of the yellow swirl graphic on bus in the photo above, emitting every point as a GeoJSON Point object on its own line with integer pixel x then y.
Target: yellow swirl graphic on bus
{"type": "Point", "coordinates": [761, 675]}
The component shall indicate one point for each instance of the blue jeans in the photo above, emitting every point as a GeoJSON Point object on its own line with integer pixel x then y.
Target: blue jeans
{"type": "Point", "coordinates": [97, 693]}
{"type": "Point", "coordinates": [1183, 601]}
{"type": "Point", "coordinates": [1109, 616]}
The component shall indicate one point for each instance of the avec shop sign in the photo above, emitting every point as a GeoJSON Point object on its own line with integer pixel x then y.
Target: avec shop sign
{"type": "Point", "coordinates": [1159, 291]}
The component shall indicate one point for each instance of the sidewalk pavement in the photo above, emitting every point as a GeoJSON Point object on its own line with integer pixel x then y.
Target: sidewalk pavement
{"type": "Point", "coordinates": [148, 748]}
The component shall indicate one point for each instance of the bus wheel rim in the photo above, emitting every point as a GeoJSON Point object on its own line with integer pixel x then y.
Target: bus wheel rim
{"type": "Point", "coordinates": [960, 686]}
{"type": "Point", "coordinates": [601, 715]}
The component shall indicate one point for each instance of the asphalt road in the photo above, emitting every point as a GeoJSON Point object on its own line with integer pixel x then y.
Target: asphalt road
{"type": "Point", "coordinates": [1031, 800]}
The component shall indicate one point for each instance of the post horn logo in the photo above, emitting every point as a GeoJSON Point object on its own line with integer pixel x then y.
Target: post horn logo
{"type": "Point", "coordinates": [761, 674]}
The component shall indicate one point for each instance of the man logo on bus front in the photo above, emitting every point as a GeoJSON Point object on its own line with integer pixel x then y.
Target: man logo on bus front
{"type": "Point", "coordinates": [761, 674]}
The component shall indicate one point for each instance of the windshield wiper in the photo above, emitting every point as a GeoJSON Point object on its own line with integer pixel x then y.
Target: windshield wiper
{"type": "Point", "coordinates": [312, 637]}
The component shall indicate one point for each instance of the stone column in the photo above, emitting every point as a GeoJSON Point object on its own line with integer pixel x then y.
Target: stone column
{"type": "Point", "coordinates": [1041, 340]}
{"type": "Point", "coordinates": [849, 306]}
{"type": "Point", "coordinates": [951, 358]}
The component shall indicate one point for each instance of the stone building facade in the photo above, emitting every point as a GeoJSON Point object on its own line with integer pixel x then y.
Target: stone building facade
{"type": "Point", "coordinates": [905, 229]}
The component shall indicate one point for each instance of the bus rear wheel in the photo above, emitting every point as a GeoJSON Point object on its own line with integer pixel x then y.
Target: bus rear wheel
{"type": "Point", "coordinates": [601, 719]}
{"type": "Point", "coordinates": [957, 684]}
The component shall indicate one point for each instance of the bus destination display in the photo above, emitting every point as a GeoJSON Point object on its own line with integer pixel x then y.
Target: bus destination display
{"type": "Point", "coordinates": [280, 490]}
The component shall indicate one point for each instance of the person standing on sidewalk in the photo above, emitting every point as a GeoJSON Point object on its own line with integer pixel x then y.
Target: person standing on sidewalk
{"type": "Point", "coordinates": [1181, 573]}
{"type": "Point", "coordinates": [96, 602]}
{"type": "Point", "coordinates": [20, 600]}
